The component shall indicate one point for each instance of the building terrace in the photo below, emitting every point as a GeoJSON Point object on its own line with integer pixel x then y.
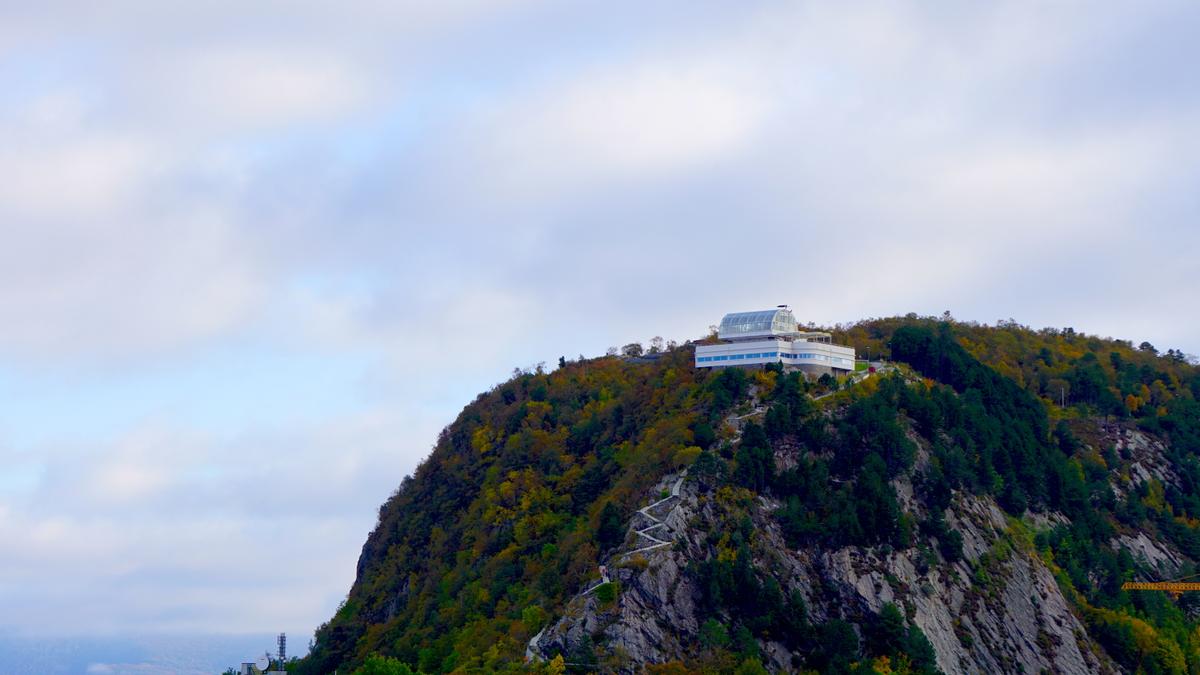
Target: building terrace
{"type": "Point", "coordinates": [773, 336]}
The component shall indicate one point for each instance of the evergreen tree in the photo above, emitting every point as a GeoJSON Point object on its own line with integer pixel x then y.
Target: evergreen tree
{"type": "Point", "coordinates": [611, 530]}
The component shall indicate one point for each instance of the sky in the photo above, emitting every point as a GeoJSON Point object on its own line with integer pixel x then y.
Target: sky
{"type": "Point", "coordinates": [254, 256]}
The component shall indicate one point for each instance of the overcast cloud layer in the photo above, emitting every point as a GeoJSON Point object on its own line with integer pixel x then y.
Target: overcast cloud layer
{"type": "Point", "coordinates": [255, 255]}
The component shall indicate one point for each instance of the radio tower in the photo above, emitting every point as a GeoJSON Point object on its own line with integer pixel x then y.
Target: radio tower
{"type": "Point", "coordinates": [282, 650]}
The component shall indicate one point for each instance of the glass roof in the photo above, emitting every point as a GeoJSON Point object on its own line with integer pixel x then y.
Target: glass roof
{"type": "Point", "coordinates": [768, 322]}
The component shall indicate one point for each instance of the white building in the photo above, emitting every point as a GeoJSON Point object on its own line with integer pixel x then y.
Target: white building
{"type": "Point", "coordinates": [773, 336]}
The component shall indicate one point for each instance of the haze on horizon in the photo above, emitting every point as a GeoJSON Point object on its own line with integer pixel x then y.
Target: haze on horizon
{"type": "Point", "coordinates": [255, 255]}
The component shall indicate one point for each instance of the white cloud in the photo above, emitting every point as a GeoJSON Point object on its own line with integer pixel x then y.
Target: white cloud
{"type": "Point", "coordinates": [119, 289]}
{"type": "Point", "coordinates": [1029, 184]}
{"type": "Point", "coordinates": [231, 88]}
{"type": "Point", "coordinates": [85, 178]}
{"type": "Point", "coordinates": [619, 124]}
{"type": "Point", "coordinates": [168, 530]}
{"type": "Point", "coordinates": [52, 166]}
{"type": "Point", "coordinates": [110, 246]}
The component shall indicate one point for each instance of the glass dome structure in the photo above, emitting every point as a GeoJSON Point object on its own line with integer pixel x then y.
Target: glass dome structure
{"type": "Point", "coordinates": [743, 325]}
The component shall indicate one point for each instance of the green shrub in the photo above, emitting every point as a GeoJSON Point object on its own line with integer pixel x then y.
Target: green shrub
{"type": "Point", "coordinates": [606, 593]}
{"type": "Point", "coordinates": [383, 665]}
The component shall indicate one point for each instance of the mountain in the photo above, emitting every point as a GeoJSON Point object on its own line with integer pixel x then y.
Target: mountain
{"type": "Point", "coordinates": [974, 505]}
{"type": "Point", "coordinates": [195, 654]}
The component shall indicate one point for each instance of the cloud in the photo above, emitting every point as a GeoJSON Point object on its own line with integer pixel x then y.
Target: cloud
{"type": "Point", "coordinates": [168, 530]}
{"type": "Point", "coordinates": [232, 89]}
{"type": "Point", "coordinates": [75, 177]}
{"type": "Point", "coordinates": [77, 290]}
{"type": "Point", "coordinates": [626, 123]}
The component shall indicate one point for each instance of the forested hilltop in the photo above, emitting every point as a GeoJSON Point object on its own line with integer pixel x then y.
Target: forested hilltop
{"type": "Point", "coordinates": [976, 507]}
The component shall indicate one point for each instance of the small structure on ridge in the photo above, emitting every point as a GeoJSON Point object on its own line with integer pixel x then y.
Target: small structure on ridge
{"type": "Point", "coordinates": [774, 336]}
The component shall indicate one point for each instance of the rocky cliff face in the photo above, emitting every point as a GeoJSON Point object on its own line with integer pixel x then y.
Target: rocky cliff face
{"type": "Point", "coordinates": [997, 609]}
{"type": "Point", "coordinates": [939, 514]}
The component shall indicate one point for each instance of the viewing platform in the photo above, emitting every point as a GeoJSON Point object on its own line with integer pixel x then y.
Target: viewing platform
{"type": "Point", "coordinates": [773, 336]}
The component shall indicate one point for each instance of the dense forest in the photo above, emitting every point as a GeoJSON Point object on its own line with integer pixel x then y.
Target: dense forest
{"type": "Point", "coordinates": [535, 481]}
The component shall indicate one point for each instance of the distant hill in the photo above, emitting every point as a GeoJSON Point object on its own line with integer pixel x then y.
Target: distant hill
{"type": "Point", "coordinates": [196, 654]}
{"type": "Point", "coordinates": [975, 507]}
